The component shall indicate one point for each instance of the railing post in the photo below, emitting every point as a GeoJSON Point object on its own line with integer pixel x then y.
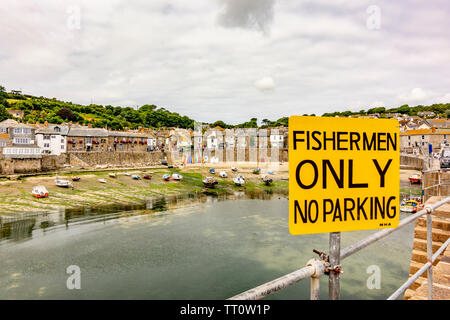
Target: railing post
{"type": "Point", "coordinates": [334, 259]}
{"type": "Point", "coordinates": [315, 288]}
{"type": "Point", "coordinates": [430, 253]}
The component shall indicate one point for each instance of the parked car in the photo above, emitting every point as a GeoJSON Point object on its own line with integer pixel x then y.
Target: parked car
{"type": "Point", "coordinates": [445, 158]}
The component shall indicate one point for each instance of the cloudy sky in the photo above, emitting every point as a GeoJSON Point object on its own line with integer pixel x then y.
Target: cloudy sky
{"type": "Point", "coordinates": [229, 59]}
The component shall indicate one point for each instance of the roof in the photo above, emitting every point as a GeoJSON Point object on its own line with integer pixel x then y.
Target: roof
{"type": "Point", "coordinates": [127, 134]}
{"type": "Point", "coordinates": [87, 132]}
{"type": "Point", "coordinates": [10, 123]}
{"type": "Point", "coordinates": [51, 130]}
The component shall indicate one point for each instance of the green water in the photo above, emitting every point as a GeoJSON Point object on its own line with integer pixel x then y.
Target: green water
{"type": "Point", "coordinates": [197, 248]}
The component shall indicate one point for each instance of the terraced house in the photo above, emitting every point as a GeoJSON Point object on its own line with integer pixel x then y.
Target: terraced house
{"type": "Point", "coordinates": [81, 138]}
{"type": "Point", "coordinates": [17, 140]}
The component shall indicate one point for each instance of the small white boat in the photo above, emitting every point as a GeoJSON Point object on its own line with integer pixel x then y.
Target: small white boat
{"type": "Point", "coordinates": [223, 174]}
{"type": "Point", "coordinates": [234, 169]}
{"type": "Point", "coordinates": [39, 192]}
{"type": "Point", "coordinates": [239, 180]}
{"type": "Point", "coordinates": [177, 176]}
{"type": "Point", "coordinates": [136, 177]}
{"type": "Point", "coordinates": [210, 182]}
{"type": "Point", "coordinates": [127, 174]}
{"type": "Point", "coordinates": [112, 174]}
{"type": "Point", "coordinates": [267, 180]}
{"type": "Point", "coordinates": [102, 180]}
{"type": "Point", "coordinates": [62, 183]}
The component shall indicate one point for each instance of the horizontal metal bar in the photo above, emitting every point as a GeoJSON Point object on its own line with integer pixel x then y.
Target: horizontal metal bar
{"type": "Point", "coordinates": [436, 185]}
{"type": "Point", "coordinates": [275, 285]}
{"type": "Point", "coordinates": [416, 275]}
{"type": "Point", "coordinates": [383, 233]}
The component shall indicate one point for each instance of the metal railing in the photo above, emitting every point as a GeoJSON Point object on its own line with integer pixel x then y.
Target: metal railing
{"type": "Point", "coordinates": [329, 264]}
{"type": "Point", "coordinates": [438, 185]}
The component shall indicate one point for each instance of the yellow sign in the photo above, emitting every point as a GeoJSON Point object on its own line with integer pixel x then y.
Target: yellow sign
{"type": "Point", "coordinates": [344, 174]}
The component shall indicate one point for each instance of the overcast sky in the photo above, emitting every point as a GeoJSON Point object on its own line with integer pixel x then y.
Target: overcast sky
{"type": "Point", "coordinates": [229, 60]}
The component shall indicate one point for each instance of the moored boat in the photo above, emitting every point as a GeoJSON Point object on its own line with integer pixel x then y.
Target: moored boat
{"type": "Point", "coordinates": [234, 169]}
{"type": "Point", "coordinates": [239, 180]}
{"type": "Point", "coordinates": [102, 180]}
{"type": "Point", "coordinates": [212, 171]}
{"type": "Point", "coordinates": [415, 178]}
{"type": "Point", "coordinates": [177, 176]}
{"type": "Point", "coordinates": [223, 174]}
{"type": "Point", "coordinates": [267, 180]}
{"type": "Point", "coordinates": [147, 176]}
{"type": "Point", "coordinates": [210, 182]}
{"type": "Point", "coordinates": [62, 183]}
{"type": "Point", "coordinates": [76, 178]}
{"type": "Point", "coordinates": [256, 170]}
{"type": "Point", "coordinates": [39, 192]}
{"type": "Point", "coordinates": [166, 177]}
{"type": "Point", "coordinates": [136, 177]}
{"type": "Point", "coordinates": [127, 174]}
{"type": "Point", "coordinates": [410, 206]}
{"type": "Point", "coordinates": [112, 174]}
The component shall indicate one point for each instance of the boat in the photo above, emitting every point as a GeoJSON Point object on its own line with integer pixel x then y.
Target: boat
{"type": "Point", "coordinates": [239, 180]}
{"type": "Point", "coordinates": [76, 178]}
{"type": "Point", "coordinates": [234, 169]}
{"type": "Point", "coordinates": [210, 182]}
{"type": "Point", "coordinates": [256, 170]}
{"type": "Point", "coordinates": [62, 183]}
{"type": "Point", "coordinates": [415, 178]}
{"type": "Point", "coordinates": [271, 172]}
{"type": "Point", "coordinates": [136, 177]}
{"type": "Point", "coordinates": [112, 175]}
{"type": "Point", "coordinates": [147, 176]}
{"type": "Point", "coordinates": [410, 206]}
{"type": "Point", "coordinates": [166, 177]}
{"type": "Point", "coordinates": [127, 174]}
{"type": "Point", "coordinates": [102, 180]}
{"type": "Point", "coordinates": [267, 180]}
{"type": "Point", "coordinates": [177, 176]}
{"type": "Point", "coordinates": [212, 171]}
{"type": "Point", "coordinates": [223, 174]}
{"type": "Point", "coordinates": [39, 192]}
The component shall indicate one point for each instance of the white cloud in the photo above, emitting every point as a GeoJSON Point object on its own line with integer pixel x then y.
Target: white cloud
{"type": "Point", "coordinates": [265, 84]}
{"type": "Point", "coordinates": [414, 97]}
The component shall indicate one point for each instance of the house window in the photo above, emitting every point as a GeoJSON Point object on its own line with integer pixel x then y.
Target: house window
{"type": "Point", "coordinates": [46, 145]}
{"type": "Point", "coordinates": [53, 137]}
{"type": "Point", "coordinates": [62, 147]}
{"type": "Point", "coordinates": [88, 140]}
{"type": "Point", "coordinates": [22, 140]}
{"type": "Point", "coordinates": [62, 140]}
{"type": "Point", "coordinates": [409, 137]}
{"type": "Point", "coordinates": [57, 129]}
{"type": "Point", "coordinates": [46, 137]}
{"type": "Point", "coordinates": [3, 130]}
{"type": "Point", "coordinates": [423, 137]}
{"type": "Point", "coordinates": [2, 143]}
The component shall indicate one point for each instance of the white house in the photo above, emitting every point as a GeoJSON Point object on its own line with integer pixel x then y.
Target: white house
{"type": "Point", "coordinates": [52, 140]}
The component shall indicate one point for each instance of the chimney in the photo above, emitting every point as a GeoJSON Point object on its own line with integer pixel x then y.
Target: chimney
{"type": "Point", "coordinates": [45, 124]}
{"type": "Point", "coordinates": [89, 125]}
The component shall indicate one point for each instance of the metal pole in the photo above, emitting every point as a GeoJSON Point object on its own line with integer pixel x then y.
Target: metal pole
{"type": "Point", "coordinates": [430, 253]}
{"type": "Point", "coordinates": [335, 258]}
{"type": "Point", "coordinates": [315, 288]}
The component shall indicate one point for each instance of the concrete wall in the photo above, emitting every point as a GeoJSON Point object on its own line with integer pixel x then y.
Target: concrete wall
{"type": "Point", "coordinates": [411, 162]}
{"type": "Point", "coordinates": [115, 159]}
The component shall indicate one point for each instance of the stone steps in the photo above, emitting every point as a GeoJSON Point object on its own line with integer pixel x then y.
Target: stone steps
{"type": "Point", "coordinates": [438, 234]}
{"type": "Point", "coordinates": [437, 223]}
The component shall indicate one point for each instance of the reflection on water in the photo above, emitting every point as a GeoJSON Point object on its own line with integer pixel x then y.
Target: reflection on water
{"type": "Point", "coordinates": [199, 246]}
{"type": "Point", "coordinates": [21, 227]}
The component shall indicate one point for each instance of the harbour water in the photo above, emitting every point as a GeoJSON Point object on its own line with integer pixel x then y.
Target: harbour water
{"type": "Point", "coordinates": [199, 247]}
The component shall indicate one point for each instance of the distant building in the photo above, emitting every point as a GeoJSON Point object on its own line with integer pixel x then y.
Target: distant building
{"type": "Point", "coordinates": [52, 139]}
{"type": "Point", "coordinates": [80, 138]}
{"type": "Point", "coordinates": [17, 140]}
{"type": "Point", "coordinates": [19, 114]}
